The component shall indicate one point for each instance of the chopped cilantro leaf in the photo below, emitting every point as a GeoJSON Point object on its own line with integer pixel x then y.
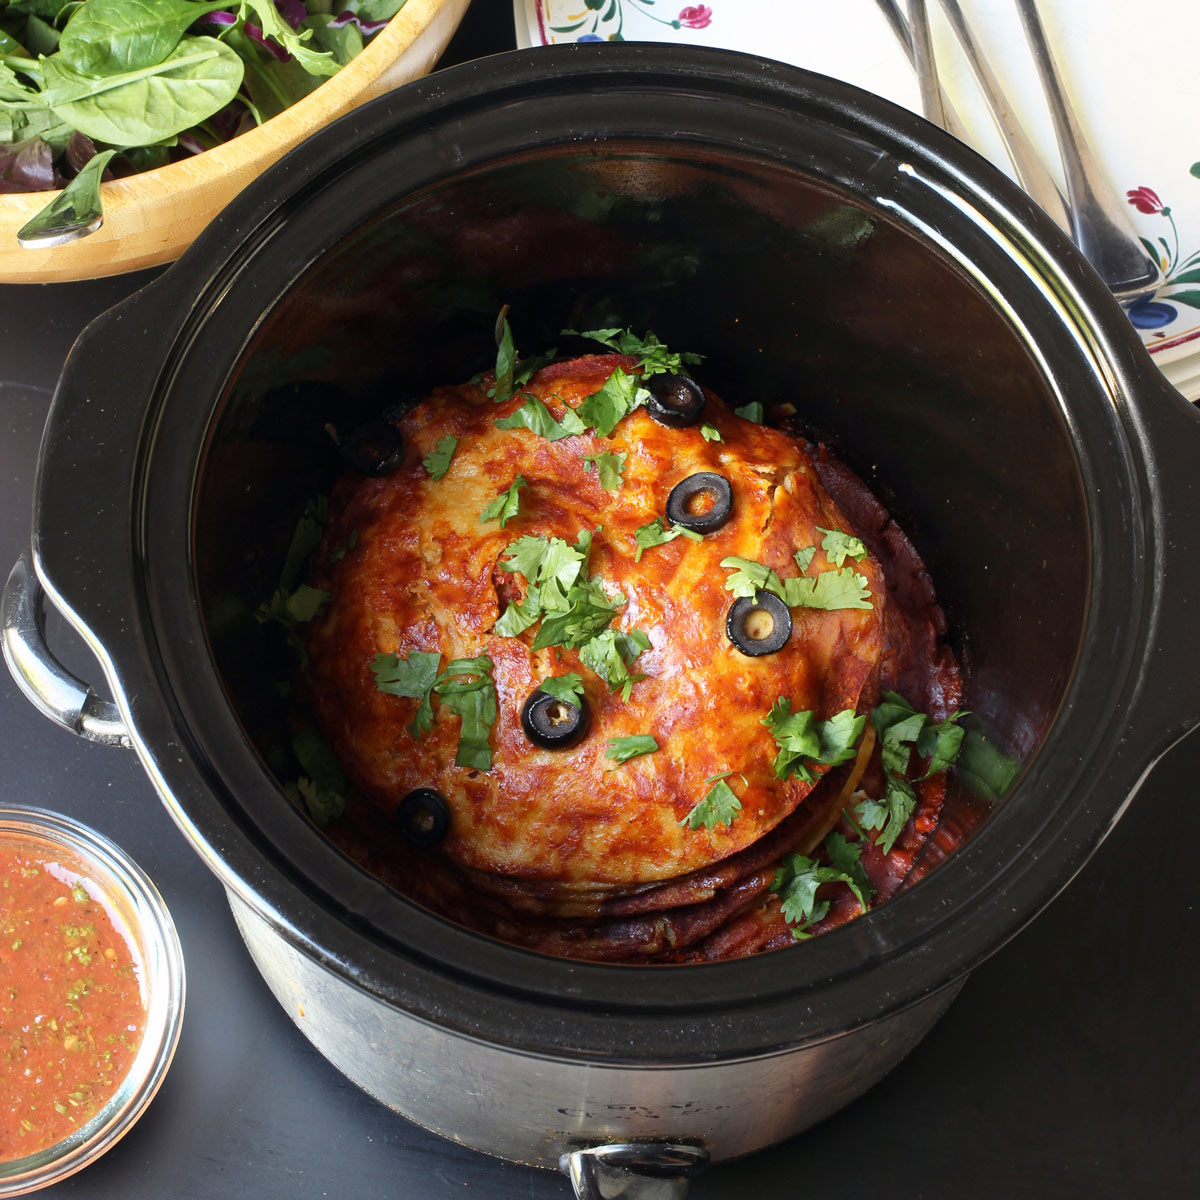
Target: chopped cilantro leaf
{"type": "Point", "coordinates": [512, 372]}
{"type": "Point", "coordinates": [618, 396]}
{"type": "Point", "coordinates": [890, 814]}
{"type": "Point", "coordinates": [317, 759]}
{"type": "Point", "coordinates": [654, 534]}
{"type": "Point", "coordinates": [839, 546]}
{"type": "Point", "coordinates": [573, 609]}
{"type": "Point", "coordinates": [751, 412]}
{"type": "Point", "coordinates": [288, 610]}
{"type": "Point", "coordinates": [506, 359]}
{"type": "Point", "coordinates": [898, 725]}
{"type": "Point", "coordinates": [410, 677]}
{"type": "Point", "coordinates": [804, 557]}
{"type": "Point", "coordinates": [720, 806]}
{"type": "Point", "coordinates": [846, 856]}
{"type": "Point", "coordinates": [985, 768]}
{"type": "Point", "coordinates": [588, 612]}
{"type": "Point", "coordinates": [518, 617]}
{"type": "Point", "coordinates": [901, 729]}
{"type": "Point", "coordinates": [941, 744]}
{"type": "Point", "coordinates": [795, 733]}
{"type": "Point", "coordinates": [831, 590]}
{"type": "Point", "coordinates": [293, 603]}
{"type": "Point", "coordinates": [413, 678]}
{"type": "Point", "coordinates": [610, 468]}
{"type": "Point", "coordinates": [622, 749]}
{"type": "Point", "coordinates": [305, 602]}
{"type": "Point", "coordinates": [654, 358]}
{"type": "Point", "coordinates": [838, 589]}
{"type": "Point", "coordinates": [467, 689]}
{"type": "Point", "coordinates": [710, 433]}
{"type": "Point", "coordinates": [798, 879]}
{"type": "Point", "coordinates": [839, 736]}
{"type": "Point", "coordinates": [321, 804]}
{"type": "Point", "coordinates": [506, 505]}
{"type": "Point", "coordinates": [567, 689]}
{"type": "Point", "coordinates": [583, 544]}
{"type": "Point", "coordinates": [321, 790]}
{"type": "Point", "coordinates": [345, 548]}
{"type": "Point", "coordinates": [804, 741]}
{"type": "Point", "coordinates": [305, 538]}
{"type": "Point", "coordinates": [528, 367]}
{"type": "Point", "coordinates": [542, 559]}
{"type": "Point", "coordinates": [437, 461]}
{"type": "Point", "coordinates": [535, 416]}
{"type": "Point", "coordinates": [610, 654]}
{"type": "Point", "coordinates": [749, 577]}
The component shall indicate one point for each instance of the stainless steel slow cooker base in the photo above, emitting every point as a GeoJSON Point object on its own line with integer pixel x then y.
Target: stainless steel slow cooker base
{"type": "Point", "coordinates": [543, 1108]}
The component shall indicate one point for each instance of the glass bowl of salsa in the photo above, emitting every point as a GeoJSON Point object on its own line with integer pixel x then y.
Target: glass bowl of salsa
{"type": "Point", "coordinates": [91, 996]}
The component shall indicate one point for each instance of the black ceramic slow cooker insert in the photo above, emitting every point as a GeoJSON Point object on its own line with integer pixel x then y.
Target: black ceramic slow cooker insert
{"type": "Point", "coordinates": [817, 245]}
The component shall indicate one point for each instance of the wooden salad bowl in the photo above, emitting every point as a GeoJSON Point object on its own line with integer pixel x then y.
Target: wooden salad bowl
{"type": "Point", "coordinates": [152, 217]}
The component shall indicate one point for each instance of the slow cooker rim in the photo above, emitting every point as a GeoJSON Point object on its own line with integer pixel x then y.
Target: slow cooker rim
{"type": "Point", "coordinates": [380, 116]}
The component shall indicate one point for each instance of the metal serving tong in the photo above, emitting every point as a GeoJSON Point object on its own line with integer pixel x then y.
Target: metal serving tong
{"type": "Point", "coordinates": [1090, 213]}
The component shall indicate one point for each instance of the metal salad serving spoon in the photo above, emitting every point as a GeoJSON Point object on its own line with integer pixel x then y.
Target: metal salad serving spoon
{"type": "Point", "coordinates": [1090, 213]}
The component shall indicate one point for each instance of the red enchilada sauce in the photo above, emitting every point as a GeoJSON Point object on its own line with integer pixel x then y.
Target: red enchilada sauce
{"type": "Point", "coordinates": [71, 1013]}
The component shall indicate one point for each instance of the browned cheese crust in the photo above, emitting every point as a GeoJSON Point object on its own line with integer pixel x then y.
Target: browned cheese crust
{"type": "Point", "coordinates": [424, 574]}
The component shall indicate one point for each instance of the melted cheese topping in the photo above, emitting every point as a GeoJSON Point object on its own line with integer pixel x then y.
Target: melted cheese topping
{"type": "Point", "coordinates": [424, 575]}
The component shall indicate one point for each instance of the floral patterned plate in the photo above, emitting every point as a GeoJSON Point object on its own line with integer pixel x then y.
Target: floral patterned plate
{"type": "Point", "coordinates": [1133, 81]}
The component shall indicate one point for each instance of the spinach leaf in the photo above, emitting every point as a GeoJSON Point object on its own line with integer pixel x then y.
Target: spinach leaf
{"type": "Point", "coordinates": [198, 78]}
{"type": "Point", "coordinates": [375, 10]}
{"type": "Point", "coordinates": [275, 27]}
{"type": "Point", "coordinates": [342, 40]}
{"type": "Point", "coordinates": [108, 37]}
{"type": "Point", "coordinates": [10, 45]}
{"type": "Point", "coordinates": [40, 36]}
{"type": "Point", "coordinates": [46, 9]}
{"type": "Point", "coordinates": [78, 204]}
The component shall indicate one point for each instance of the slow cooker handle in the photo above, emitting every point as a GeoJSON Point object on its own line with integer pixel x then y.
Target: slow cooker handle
{"type": "Point", "coordinates": [633, 1170]}
{"type": "Point", "coordinates": [1170, 706]}
{"type": "Point", "coordinates": [46, 683]}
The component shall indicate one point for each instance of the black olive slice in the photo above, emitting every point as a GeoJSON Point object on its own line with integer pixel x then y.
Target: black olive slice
{"type": "Point", "coordinates": [675, 400]}
{"type": "Point", "coordinates": [424, 817]}
{"type": "Point", "coordinates": [552, 723]}
{"type": "Point", "coordinates": [759, 626]}
{"type": "Point", "coordinates": [702, 502]}
{"type": "Point", "coordinates": [373, 449]}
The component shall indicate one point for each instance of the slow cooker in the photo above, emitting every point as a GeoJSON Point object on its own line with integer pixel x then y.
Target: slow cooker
{"type": "Point", "coordinates": [817, 245]}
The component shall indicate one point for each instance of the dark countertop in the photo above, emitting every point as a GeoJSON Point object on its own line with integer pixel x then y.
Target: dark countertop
{"type": "Point", "coordinates": [1068, 1067]}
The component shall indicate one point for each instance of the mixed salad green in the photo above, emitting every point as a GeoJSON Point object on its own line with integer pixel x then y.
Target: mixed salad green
{"type": "Point", "coordinates": [95, 88]}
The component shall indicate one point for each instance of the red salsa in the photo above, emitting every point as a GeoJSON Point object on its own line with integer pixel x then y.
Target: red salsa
{"type": "Point", "coordinates": [71, 1008]}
